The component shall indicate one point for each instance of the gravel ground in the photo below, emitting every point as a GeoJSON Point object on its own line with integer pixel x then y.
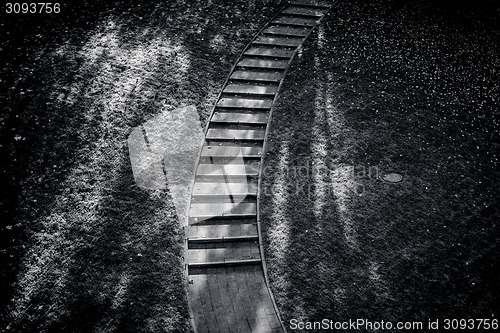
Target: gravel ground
{"type": "Point", "coordinates": [382, 87]}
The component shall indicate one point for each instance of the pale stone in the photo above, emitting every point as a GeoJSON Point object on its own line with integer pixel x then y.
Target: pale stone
{"type": "Point", "coordinates": [392, 177]}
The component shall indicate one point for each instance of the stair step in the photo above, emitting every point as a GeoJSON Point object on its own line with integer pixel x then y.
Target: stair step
{"type": "Point", "coordinates": [301, 11]}
{"type": "Point", "coordinates": [269, 52]}
{"type": "Point", "coordinates": [231, 253]}
{"type": "Point", "coordinates": [250, 89]}
{"type": "Point", "coordinates": [240, 117]}
{"type": "Point", "coordinates": [278, 41]}
{"type": "Point", "coordinates": [214, 221]}
{"type": "Point", "coordinates": [235, 134]}
{"type": "Point", "coordinates": [225, 231]}
{"type": "Point", "coordinates": [243, 170]}
{"type": "Point", "coordinates": [312, 3]}
{"type": "Point", "coordinates": [223, 210]}
{"type": "Point", "coordinates": [198, 241]}
{"type": "Point", "coordinates": [295, 21]}
{"type": "Point", "coordinates": [231, 151]}
{"type": "Point", "coordinates": [256, 76]}
{"type": "Point", "coordinates": [227, 263]}
{"type": "Point", "coordinates": [260, 63]}
{"type": "Point", "coordinates": [222, 188]}
{"type": "Point", "coordinates": [286, 31]}
{"type": "Point", "coordinates": [250, 103]}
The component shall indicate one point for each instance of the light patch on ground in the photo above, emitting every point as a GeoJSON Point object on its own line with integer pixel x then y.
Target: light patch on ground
{"type": "Point", "coordinates": [321, 36]}
{"type": "Point", "coordinates": [164, 151]}
{"type": "Point", "coordinates": [217, 42]}
{"type": "Point", "coordinates": [121, 290]}
{"type": "Point", "coordinates": [381, 286]}
{"type": "Point", "coordinates": [343, 185]}
{"type": "Point", "coordinates": [319, 149]}
{"type": "Point", "coordinates": [105, 56]}
{"type": "Point", "coordinates": [342, 178]}
{"type": "Point", "coordinates": [280, 235]}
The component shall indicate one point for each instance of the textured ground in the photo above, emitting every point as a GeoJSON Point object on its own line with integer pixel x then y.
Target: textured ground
{"type": "Point", "coordinates": [83, 248]}
{"type": "Point", "coordinates": [410, 87]}
{"type": "Point", "coordinates": [388, 86]}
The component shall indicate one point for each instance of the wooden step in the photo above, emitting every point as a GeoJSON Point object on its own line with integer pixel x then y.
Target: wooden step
{"type": "Point", "coordinates": [235, 134]}
{"type": "Point", "coordinates": [269, 52]}
{"type": "Point", "coordinates": [249, 89]}
{"type": "Point", "coordinates": [278, 41]}
{"type": "Point", "coordinates": [244, 238]}
{"type": "Point", "coordinates": [222, 188]}
{"type": "Point", "coordinates": [295, 21]}
{"type": "Point", "coordinates": [223, 210]}
{"type": "Point", "coordinates": [230, 254]}
{"type": "Point", "coordinates": [256, 76]}
{"type": "Point", "coordinates": [286, 31]}
{"type": "Point", "coordinates": [263, 63]}
{"type": "Point", "coordinates": [301, 11]}
{"type": "Point", "coordinates": [220, 233]}
{"type": "Point", "coordinates": [228, 263]}
{"type": "Point", "coordinates": [313, 3]}
{"type": "Point", "coordinates": [231, 151]}
{"type": "Point", "coordinates": [224, 221]}
{"type": "Point", "coordinates": [247, 103]}
{"type": "Point", "coordinates": [230, 170]}
{"type": "Point", "coordinates": [249, 117]}
{"type": "Point", "coordinates": [218, 198]}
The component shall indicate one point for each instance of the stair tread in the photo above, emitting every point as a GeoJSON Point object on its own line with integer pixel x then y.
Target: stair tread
{"type": "Point", "coordinates": [256, 76]}
{"type": "Point", "coordinates": [269, 52]}
{"type": "Point", "coordinates": [251, 103]}
{"type": "Point", "coordinates": [250, 89]}
{"type": "Point", "coordinates": [246, 262]}
{"type": "Point", "coordinates": [221, 231]}
{"type": "Point", "coordinates": [234, 187]}
{"type": "Point", "coordinates": [312, 3]}
{"type": "Point", "coordinates": [287, 31]}
{"type": "Point", "coordinates": [282, 41]}
{"type": "Point", "coordinates": [262, 63]}
{"type": "Point", "coordinates": [237, 134]}
{"type": "Point", "coordinates": [231, 151]}
{"type": "Point", "coordinates": [240, 117]}
{"type": "Point", "coordinates": [295, 21]}
{"type": "Point", "coordinates": [227, 170]}
{"type": "Point", "coordinates": [223, 209]}
{"type": "Point", "coordinates": [304, 11]}
{"type": "Point", "coordinates": [230, 253]}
